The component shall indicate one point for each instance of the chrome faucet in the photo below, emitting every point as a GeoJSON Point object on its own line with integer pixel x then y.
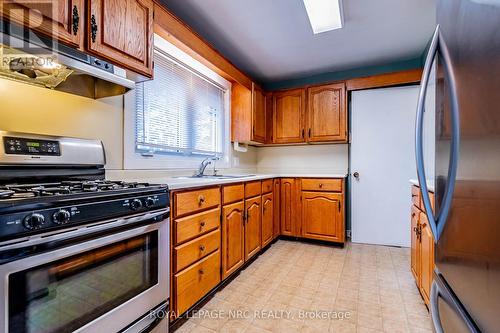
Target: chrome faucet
{"type": "Point", "coordinates": [206, 162]}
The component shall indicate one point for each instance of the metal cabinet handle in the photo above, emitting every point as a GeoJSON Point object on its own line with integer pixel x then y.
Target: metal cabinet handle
{"type": "Point", "coordinates": [202, 248]}
{"type": "Point", "coordinates": [438, 289]}
{"type": "Point", "coordinates": [437, 223]}
{"type": "Point", "coordinates": [201, 200]}
{"type": "Point", "coordinates": [320, 185]}
{"type": "Point", "coordinates": [93, 28]}
{"type": "Point", "coordinates": [76, 20]}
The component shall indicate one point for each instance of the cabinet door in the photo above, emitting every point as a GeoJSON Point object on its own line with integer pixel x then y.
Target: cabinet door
{"type": "Point", "coordinates": [288, 203]}
{"type": "Point", "coordinates": [253, 215]}
{"type": "Point", "coordinates": [59, 19]}
{"type": "Point", "coordinates": [426, 258]}
{"type": "Point", "coordinates": [122, 32]}
{"type": "Point", "coordinates": [258, 116]}
{"type": "Point", "coordinates": [288, 118]}
{"type": "Point", "coordinates": [326, 113]}
{"type": "Point", "coordinates": [267, 218]}
{"type": "Point", "coordinates": [415, 244]}
{"type": "Point", "coordinates": [322, 216]}
{"type": "Point", "coordinates": [233, 238]}
{"type": "Point", "coordinates": [276, 217]}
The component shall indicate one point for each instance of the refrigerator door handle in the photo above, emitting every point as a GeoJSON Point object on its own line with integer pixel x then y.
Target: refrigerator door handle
{"type": "Point", "coordinates": [439, 290]}
{"type": "Point", "coordinates": [437, 223]}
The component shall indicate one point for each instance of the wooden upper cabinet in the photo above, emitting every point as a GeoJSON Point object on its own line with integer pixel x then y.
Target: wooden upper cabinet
{"type": "Point", "coordinates": [326, 113]}
{"type": "Point", "coordinates": [322, 216]}
{"type": "Point", "coordinates": [121, 31]}
{"type": "Point", "coordinates": [259, 115]}
{"type": "Point", "coordinates": [288, 206]}
{"type": "Point", "coordinates": [267, 219]}
{"type": "Point", "coordinates": [233, 238]}
{"type": "Point", "coordinates": [248, 114]}
{"type": "Point", "coordinates": [59, 19]}
{"type": "Point", "coordinates": [253, 215]}
{"type": "Point", "coordinates": [288, 116]}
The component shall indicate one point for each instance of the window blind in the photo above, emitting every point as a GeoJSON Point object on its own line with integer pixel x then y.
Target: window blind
{"type": "Point", "coordinates": [179, 111]}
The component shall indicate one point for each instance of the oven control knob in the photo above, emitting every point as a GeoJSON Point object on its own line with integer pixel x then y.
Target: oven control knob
{"type": "Point", "coordinates": [150, 202]}
{"type": "Point", "coordinates": [34, 221]}
{"type": "Point", "coordinates": [61, 217]}
{"type": "Point", "coordinates": [136, 204]}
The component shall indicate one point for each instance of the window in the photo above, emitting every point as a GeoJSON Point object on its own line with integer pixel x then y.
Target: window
{"type": "Point", "coordinates": [180, 116]}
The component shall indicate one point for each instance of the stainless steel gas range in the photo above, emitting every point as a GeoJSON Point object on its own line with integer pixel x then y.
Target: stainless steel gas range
{"type": "Point", "coordinates": [77, 252]}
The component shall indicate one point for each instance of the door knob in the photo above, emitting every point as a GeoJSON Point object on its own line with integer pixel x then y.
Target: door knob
{"type": "Point", "coordinates": [356, 175]}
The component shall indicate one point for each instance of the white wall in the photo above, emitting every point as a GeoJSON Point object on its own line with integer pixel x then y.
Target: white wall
{"type": "Point", "coordinates": [313, 159]}
{"type": "Point", "coordinates": [25, 108]}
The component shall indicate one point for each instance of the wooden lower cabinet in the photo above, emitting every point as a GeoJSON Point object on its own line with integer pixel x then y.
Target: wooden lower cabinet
{"type": "Point", "coordinates": [276, 211]}
{"type": "Point", "coordinates": [422, 246]}
{"type": "Point", "coordinates": [196, 281]}
{"type": "Point", "coordinates": [233, 238]}
{"type": "Point", "coordinates": [267, 219]}
{"type": "Point", "coordinates": [426, 258]}
{"type": "Point", "coordinates": [210, 243]}
{"type": "Point", "coordinates": [322, 216]}
{"type": "Point", "coordinates": [288, 207]}
{"type": "Point", "coordinates": [415, 244]}
{"type": "Point", "coordinates": [253, 216]}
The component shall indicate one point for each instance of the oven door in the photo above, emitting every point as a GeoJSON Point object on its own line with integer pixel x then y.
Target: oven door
{"type": "Point", "coordinates": [99, 284]}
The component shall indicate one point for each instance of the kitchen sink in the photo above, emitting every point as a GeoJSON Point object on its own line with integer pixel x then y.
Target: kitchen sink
{"type": "Point", "coordinates": [214, 177]}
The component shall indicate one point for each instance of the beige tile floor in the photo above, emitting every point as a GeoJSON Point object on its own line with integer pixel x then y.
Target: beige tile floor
{"type": "Point", "coordinates": [301, 287]}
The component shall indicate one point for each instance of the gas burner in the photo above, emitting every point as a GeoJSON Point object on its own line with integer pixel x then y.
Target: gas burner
{"type": "Point", "coordinates": [18, 191]}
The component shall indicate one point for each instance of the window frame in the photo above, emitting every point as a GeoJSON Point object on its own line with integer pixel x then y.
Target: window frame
{"type": "Point", "coordinates": [137, 160]}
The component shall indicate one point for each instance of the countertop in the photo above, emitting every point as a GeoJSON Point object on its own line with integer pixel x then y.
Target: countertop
{"type": "Point", "coordinates": [430, 184]}
{"type": "Point", "coordinates": [176, 183]}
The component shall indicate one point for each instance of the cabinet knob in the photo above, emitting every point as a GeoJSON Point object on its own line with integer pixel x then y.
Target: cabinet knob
{"type": "Point", "coordinates": [201, 200]}
{"type": "Point", "coordinates": [201, 271]}
{"type": "Point", "coordinates": [356, 175]}
{"type": "Point", "coordinates": [202, 224]}
{"type": "Point", "coordinates": [202, 248]}
{"type": "Point", "coordinates": [320, 185]}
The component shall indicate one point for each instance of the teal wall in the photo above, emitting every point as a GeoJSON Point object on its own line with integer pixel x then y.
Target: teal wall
{"type": "Point", "coordinates": [344, 75]}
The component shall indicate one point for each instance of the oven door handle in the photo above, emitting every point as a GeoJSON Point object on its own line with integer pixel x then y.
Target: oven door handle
{"type": "Point", "coordinates": [150, 321]}
{"type": "Point", "coordinates": [155, 217]}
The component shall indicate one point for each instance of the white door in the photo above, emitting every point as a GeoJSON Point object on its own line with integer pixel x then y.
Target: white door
{"type": "Point", "coordinates": [383, 153]}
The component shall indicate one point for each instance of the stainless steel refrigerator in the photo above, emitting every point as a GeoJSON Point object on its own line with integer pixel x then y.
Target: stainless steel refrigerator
{"type": "Point", "coordinates": [465, 49]}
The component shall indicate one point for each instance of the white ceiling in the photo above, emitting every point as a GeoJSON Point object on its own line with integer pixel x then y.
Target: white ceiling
{"type": "Point", "coordinates": [272, 40]}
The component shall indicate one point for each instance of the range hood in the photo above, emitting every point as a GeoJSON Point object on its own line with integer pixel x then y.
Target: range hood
{"type": "Point", "coordinates": [36, 60]}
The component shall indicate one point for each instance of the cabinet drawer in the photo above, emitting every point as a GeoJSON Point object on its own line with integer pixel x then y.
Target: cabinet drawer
{"type": "Point", "coordinates": [193, 226]}
{"type": "Point", "coordinates": [196, 281]}
{"type": "Point", "coordinates": [197, 200]}
{"type": "Point", "coordinates": [233, 193]}
{"type": "Point", "coordinates": [328, 185]}
{"type": "Point", "coordinates": [415, 196]}
{"type": "Point", "coordinates": [267, 185]}
{"type": "Point", "coordinates": [196, 249]}
{"type": "Point", "coordinates": [252, 189]}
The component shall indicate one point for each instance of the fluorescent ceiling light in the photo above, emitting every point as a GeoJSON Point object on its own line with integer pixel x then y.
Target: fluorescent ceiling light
{"type": "Point", "coordinates": [324, 15]}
